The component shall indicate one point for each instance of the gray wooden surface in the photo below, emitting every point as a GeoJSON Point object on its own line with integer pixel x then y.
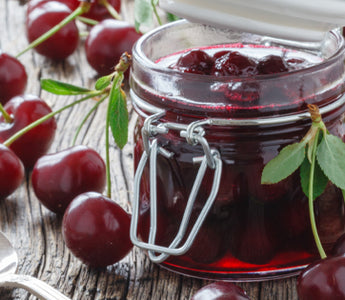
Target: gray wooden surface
{"type": "Point", "coordinates": [36, 232]}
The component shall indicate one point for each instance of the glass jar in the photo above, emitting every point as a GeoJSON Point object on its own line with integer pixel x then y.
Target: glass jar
{"type": "Point", "coordinates": [201, 143]}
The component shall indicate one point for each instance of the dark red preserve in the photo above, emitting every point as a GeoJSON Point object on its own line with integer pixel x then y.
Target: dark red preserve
{"type": "Point", "coordinates": [219, 104]}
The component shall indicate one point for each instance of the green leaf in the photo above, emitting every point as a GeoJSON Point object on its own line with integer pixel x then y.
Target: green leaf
{"type": "Point", "coordinates": [62, 88]}
{"type": "Point", "coordinates": [143, 13]}
{"type": "Point", "coordinates": [284, 164]}
{"type": "Point", "coordinates": [118, 114]}
{"type": "Point", "coordinates": [103, 82]}
{"type": "Point", "coordinates": [331, 158]}
{"type": "Point", "coordinates": [320, 179]}
{"type": "Point", "coordinates": [171, 17]}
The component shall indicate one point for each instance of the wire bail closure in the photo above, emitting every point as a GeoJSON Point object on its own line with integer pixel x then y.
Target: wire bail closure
{"type": "Point", "coordinates": [194, 134]}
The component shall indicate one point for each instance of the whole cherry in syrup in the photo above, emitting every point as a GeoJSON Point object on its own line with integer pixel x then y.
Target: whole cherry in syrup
{"type": "Point", "coordinates": [195, 61]}
{"type": "Point", "coordinates": [230, 63]}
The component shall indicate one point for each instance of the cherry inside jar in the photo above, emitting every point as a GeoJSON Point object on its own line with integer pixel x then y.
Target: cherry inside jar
{"type": "Point", "coordinates": [199, 90]}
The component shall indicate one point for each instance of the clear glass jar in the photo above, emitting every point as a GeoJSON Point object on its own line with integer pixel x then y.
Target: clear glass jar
{"type": "Point", "coordinates": [200, 149]}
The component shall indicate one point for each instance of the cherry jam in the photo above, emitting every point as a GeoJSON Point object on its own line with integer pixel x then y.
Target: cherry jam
{"type": "Point", "coordinates": [250, 93]}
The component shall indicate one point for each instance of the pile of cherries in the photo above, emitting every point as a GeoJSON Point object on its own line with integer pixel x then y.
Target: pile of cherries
{"type": "Point", "coordinates": [105, 43]}
{"type": "Point", "coordinates": [233, 63]}
{"type": "Point", "coordinates": [76, 175]}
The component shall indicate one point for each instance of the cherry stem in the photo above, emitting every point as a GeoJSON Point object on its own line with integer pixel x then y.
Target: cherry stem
{"type": "Point", "coordinates": [311, 198]}
{"type": "Point", "coordinates": [87, 116]}
{"type": "Point", "coordinates": [154, 7]}
{"type": "Point", "coordinates": [5, 114]}
{"type": "Point", "coordinates": [107, 154]}
{"type": "Point", "coordinates": [83, 7]}
{"type": "Point", "coordinates": [87, 21]}
{"type": "Point", "coordinates": [24, 130]}
{"type": "Point", "coordinates": [110, 9]}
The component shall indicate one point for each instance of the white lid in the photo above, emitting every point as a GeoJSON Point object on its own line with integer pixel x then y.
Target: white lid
{"type": "Point", "coordinates": [304, 20]}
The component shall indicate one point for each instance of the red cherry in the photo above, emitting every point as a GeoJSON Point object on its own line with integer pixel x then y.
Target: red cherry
{"type": "Point", "coordinates": [254, 239]}
{"type": "Point", "coordinates": [99, 12]}
{"type": "Point", "coordinates": [233, 63]}
{"type": "Point", "coordinates": [209, 244]}
{"type": "Point", "coordinates": [25, 110]}
{"type": "Point", "coordinates": [323, 279]}
{"type": "Point", "coordinates": [13, 77]}
{"type": "Point", "coordinates": [11, 172]}
{"type": "Point", "coordinates": [220, 291]}
{"type": "Point", "coordinates": [45, 16]}
{"type": "Point", "coordinates": [339, 246]}
{"type": "Point", "coordinates": [271, 64]}
{"type": "Point", "coordinates": [106, 42]}
{"type": "Point", "coordinates": [32, 4]}
{"type": "Point", "coordinates": [59, 177]}
{"type": "Point", "coordinates": [96, 230]}
{"type": "Point", "coordinates": [195, 61]}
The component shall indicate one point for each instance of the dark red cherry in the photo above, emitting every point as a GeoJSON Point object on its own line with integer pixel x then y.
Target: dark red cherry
{"type": "Point", "coordinates": [96, 230]}
{"type": "Point", "coordinates": [323, 279]}
{"type": "Point", "coordinates": [271, 64]}
{"type": "Point", "coordinates": [106, 42]}
{"type": "Point", "coordinates": [209, 244]}
{"type": "Point", "coordinates": [254, 239]}
{"type": "Point", "coordinates": [32, 4]}
{"type": "Point", "coordinates": [233, 63]}
{"type": "Point", "coordinates": [41, 19]}
{"type": "Point", "coordinates": [194, 61]}
{"type": "Point", "coordinates": [11, 172]}
{"type": "Point", "coordinates": [25, 110]}
{"type": "Point", "coordinates": [99, 12]}
{"type": "Point", "coordinates": [13, 77]}
{"type": "Point", "coordinates": [339, 246]}
{"type": "Point", "coordinates": [59, 177]}
{"type": "Point", "coordinates": [220, 291]}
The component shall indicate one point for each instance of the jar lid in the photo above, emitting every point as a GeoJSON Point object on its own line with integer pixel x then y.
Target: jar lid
{"type": "Point", "coordinates": [306, 20]}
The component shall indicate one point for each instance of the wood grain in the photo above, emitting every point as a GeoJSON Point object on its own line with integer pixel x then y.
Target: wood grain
{"type": "Point", "coordinates": [36, 233]}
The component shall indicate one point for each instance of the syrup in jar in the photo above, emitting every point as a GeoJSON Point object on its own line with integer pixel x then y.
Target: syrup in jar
{"type": "Point", "coordinates": [244, 97]}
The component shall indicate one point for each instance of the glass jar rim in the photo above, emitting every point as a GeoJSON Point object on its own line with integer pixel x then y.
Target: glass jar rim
{"type": "Point", "coordinates": [152, 65]}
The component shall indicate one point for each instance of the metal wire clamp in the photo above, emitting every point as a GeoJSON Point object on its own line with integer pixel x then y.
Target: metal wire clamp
{"type": "Point", "coordinates": [211, 158]}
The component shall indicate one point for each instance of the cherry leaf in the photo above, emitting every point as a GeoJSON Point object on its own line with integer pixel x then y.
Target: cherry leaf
{"type": "Point", "coordinates": [61, 88]}
{"type": "Point", "coordinates": [103, 82]}
{"type": "Point", "coordinates": [284, 164]}
{"type": "Point", "coordinates": [118, 114]}
{"type": "Point", "coordinates": [320, 179]}
{"type": "Point", "coordinates": [143, 13]}
{"type": "Point", "coordinates": [331, 158]}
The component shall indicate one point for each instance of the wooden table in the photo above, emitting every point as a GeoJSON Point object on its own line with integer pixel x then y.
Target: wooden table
{"type": "Point", "coordinates": [36, 232]}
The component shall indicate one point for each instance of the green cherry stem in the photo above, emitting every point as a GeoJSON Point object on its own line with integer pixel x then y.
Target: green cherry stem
{"type": "Point", "coordinates": [110, 9]}
{"type": "Point", "coordinates": [317, 127]}
{"type": "Point", "coordinates": [24, 130]}
{"type": "Point", "coordinates": [87, 21]}
{"type": "Point", "coordinates": [154, 7]}
{"type": "Point", "coordinates": [311, 200]}
{"type": "Point", "coordinates": [87, 116]}
{"type": "Point", "coordinates": [83, 8]}
{"type": "Point", "coordinates": [5, 114]}
{"type": "Point", "coordinates": [107, 154]}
